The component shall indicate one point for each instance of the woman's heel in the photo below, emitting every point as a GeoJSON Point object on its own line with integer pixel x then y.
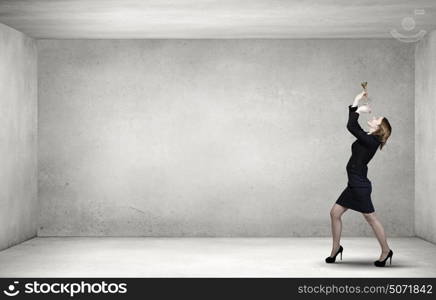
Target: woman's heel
{"type": "Point", "coordinates": [330, 259]}
{"type": "Point", "coordinates": [382, 263]}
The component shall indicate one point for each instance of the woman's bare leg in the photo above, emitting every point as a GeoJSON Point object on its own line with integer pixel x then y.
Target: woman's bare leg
{"type": "Point", "coordinates": [377, 227]}
{"type": "Point", "coordinates": [336, 223]}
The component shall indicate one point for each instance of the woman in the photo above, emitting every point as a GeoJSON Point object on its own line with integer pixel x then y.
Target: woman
{"type": "Point", "coordinates": [357, 194]}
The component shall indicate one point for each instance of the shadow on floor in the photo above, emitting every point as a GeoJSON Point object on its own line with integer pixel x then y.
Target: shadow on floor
{"type": "Point", "coordinates": [369, 264]}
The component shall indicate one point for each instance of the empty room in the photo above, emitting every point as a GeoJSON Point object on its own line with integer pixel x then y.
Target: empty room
{"type": "Point", "coordinates": [217, 138]}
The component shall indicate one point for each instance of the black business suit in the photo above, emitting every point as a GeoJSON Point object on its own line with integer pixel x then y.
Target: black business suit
{"type": "Point", "coordinates": [357, 194]}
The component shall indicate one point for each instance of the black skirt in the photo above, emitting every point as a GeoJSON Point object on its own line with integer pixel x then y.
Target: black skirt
{"type": "Point", "coordinates": [357, 198]}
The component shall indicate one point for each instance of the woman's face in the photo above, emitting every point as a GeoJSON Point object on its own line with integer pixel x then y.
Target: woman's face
{"type": "Point", "coordinates": [375, 122]}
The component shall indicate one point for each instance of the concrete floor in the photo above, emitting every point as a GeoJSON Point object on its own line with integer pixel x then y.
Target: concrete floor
{"type": "Point", "coordinates": [212, 257]}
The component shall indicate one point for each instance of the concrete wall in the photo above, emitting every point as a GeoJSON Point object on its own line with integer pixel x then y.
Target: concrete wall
{"type": "Point", "coordinates": [217, 137]}
{"type": "Point", "coordinates": [425, 138]}
{"type": "Point", "coordinates": [18, 133]}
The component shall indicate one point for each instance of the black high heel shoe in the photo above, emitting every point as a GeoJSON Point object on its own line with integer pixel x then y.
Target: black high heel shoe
{"type": "Point", "coordinates": [330, 259]}
{"type": "Point", "coordinates": [382, 263]}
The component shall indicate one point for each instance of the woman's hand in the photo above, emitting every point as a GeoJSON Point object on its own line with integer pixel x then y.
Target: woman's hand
{"type": "Point", "coordinates": [360, 96]}
{"type": "Point", "coordinates": [364, 109]}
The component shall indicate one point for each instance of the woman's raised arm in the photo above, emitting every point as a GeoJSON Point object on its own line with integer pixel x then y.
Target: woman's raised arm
{"type": "Point", "coordinates": [354, 127]}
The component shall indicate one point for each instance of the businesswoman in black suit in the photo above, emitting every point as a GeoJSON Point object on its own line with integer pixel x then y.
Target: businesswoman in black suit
{"type": "Point", "coordinates": [357, 194]}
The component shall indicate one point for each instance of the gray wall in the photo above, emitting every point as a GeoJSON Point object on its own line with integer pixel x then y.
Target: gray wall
{"type": "Point", "coordinates": [217, 137]}
{"type": "Point", "coordinates": [425, 147]}
{"type": "Point", "coordinates": [18, 132]}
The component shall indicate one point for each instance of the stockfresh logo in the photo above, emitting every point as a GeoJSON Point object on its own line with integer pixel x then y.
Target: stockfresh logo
{"type": "Point", "coordinates": [71, 289]}
{"type": "Point", "coordinates": [408, 24]}
{"type": "Point", "coordinates": [12, 290]}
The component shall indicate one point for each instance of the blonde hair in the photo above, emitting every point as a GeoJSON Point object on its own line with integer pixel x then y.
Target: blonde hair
{"type": "Point", "coordinates": [383, 132]}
